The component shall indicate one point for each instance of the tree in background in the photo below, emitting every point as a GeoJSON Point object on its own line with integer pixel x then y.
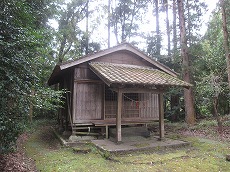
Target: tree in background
{"type": "Point", "coordinates": [188, 93]}
{"type": "Point", "coordinates": [212, 92]}
{"type": "Point", "coordinates": [69, 35]}
{"type": "Point", "coordinates": [125, 17]}
{"type": "Point", "coordinates": [109, 15]}
{"type": "Point", "coordinates": [166, 9]}
{"type": "Point", "coordinates": [153, 40]}
{"type": "Point", "coordinates": [224, 5]}
{"type": "Point", "coordinates": [158, 36]}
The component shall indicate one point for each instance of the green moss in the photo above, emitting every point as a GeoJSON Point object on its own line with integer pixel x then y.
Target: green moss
{"type": "Point", "coordinates": [203, 155]}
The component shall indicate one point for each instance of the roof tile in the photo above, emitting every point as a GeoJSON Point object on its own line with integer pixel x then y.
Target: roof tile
{"type": "Point", "coordinates": [131, 74]}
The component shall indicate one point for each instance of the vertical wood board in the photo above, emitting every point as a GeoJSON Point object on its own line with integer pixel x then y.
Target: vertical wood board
{"type": "Point", "coordinates": [89, 101]}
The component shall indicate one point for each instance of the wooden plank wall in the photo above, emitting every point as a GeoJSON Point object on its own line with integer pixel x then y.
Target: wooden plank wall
{"type": "Point", "coordinates": [89, 101]}
{"type": "Point", "coordinates": [82, 72]}
{"type": "Point", "coordinates": [148, 105]}
{"type": "Point", "coordinates": [123, 57]}
{"type": "Point", "coordinates": [89, 95]}
{"type": "Point", "coordinates": [130, 109]}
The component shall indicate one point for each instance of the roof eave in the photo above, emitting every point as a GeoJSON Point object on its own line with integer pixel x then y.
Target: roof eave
{"type": "Point", "coordinates": [53, 78]}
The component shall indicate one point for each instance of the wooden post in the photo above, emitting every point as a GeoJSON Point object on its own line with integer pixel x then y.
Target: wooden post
{"type": "Point", "coordinates": [66, 106]}
{"type": "Point", "coordinates": [74, 102]}
{"type": "Point", "coordinates": [118, 119]}
{"type": "Point", "coordinates": [161, 115]}
{"type": "Point", "coordinates": [106, 131]}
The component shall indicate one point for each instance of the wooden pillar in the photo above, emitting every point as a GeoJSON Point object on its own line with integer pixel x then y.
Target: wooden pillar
{"type": "Point", "coordinates": [161, 115]}
{"type": "Point", "coordinates": [74, 102]}
{"type": "Point", "coordinates": [118, 118]}
{"type": "Point", "coordinates": [106, 131]}
{"type": "Point", "coordinates": [66, 105]}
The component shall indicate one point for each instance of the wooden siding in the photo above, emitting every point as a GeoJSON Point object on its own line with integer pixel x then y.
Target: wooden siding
{"type": "Point", "coordinates": [123, 57]}
{"type": "Point", "coordinates": [88, 95]}
{"type": "Point", "coordinates": [83, 72]}
{"type": "Point", "coordinates": [89, 105]}
{"type": "Point", "coordinates": [148, 106]}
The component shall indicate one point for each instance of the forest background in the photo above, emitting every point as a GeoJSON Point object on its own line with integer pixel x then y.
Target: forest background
{"type": "Point", "coordinates": [31, 46]}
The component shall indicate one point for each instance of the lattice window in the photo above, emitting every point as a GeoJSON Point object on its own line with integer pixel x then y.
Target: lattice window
{"type": "Point", "coordinates": [130, 105]}
{"type": "Point", "coordinates": [134, 105]}
{"type": "Point", "coordinates": [110, 103]}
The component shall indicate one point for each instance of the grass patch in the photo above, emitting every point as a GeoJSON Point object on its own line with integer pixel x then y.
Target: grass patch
{"type": "Point", "coordinates": [50, 156]}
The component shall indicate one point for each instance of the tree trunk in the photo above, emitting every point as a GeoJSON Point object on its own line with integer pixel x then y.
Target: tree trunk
{"type": "Point", "coordinates": [189, 23]}
{"type": "Point", "coordinates": [215, 114]}
{"type": "Point", "coordinates": [174, 29]}
{"type": "Point", "coordinates": [109, 23]}
{"type": "Point", "coordinates": [87, 28]}
{"type": "Point", "coordinates": [174, 102]}
{"type": "Point", "coordinates": [123, 38]}
{"type": "Point", "coordinates": [226, 42]}
{"type": "Point", "coordinates": [188, 93]}
{"type": "Point", "coordinates": [167, 26]}
{"type": "Point", "coordinates": [158, 44]}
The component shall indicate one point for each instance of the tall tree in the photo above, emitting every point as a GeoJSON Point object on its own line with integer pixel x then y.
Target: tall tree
{"type": "Point", "coordinates": [210, 73]}
{"type": "Point", "coordinates": [109, 16]}
{"type": "Point", "coordinates": [68, 31]}
{"type": "Point", "coordinates": [166, 7]}
{"type": "Point", "coordinates": [194, 10]}
{"type": "Point", "coordinates": [174, 28]}
{"type": "Point", "coordinates": [188, 93]}
{"type": "Point", "coordinates": [125, 17]}
{"type": "Point", "coordinates": [87, 28]}
{"type": "Point", "coordinates": [188, 22]}
{"type": "Point", "coordinates": [226, 37]}
{"type": "Point", "coordinates": [158, 37]}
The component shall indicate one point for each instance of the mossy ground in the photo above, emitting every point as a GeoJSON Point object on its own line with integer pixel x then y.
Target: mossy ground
{"type": "Point", "coordinates": [202, 155]}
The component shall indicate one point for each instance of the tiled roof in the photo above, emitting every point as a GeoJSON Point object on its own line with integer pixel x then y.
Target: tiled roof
{"type": "Point", "coordinates": [130, 74]}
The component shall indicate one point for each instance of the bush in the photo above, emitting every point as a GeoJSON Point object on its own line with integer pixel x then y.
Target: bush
{"type": "Point", "coordinates": [9, 130]}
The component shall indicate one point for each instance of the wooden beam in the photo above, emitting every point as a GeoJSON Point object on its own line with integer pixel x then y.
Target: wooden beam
{"type": "Point", "coordinates": [161, 115]}
{"type": "Point", "coordinates": [138, 90]}
{"type": "Point", "coordinates": [118, 117]}
{"type": "Point", "coordinates": [103, 115]}
{"type": "Point", "coordinates": [88, 81]}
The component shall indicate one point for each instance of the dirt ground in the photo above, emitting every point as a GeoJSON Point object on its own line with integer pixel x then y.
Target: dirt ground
{"type": "Point", "coordinates": [18, 161]}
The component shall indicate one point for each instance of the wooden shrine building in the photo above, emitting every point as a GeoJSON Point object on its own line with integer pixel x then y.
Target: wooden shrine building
{"type": "Point", "coordinates": [114, 87]}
